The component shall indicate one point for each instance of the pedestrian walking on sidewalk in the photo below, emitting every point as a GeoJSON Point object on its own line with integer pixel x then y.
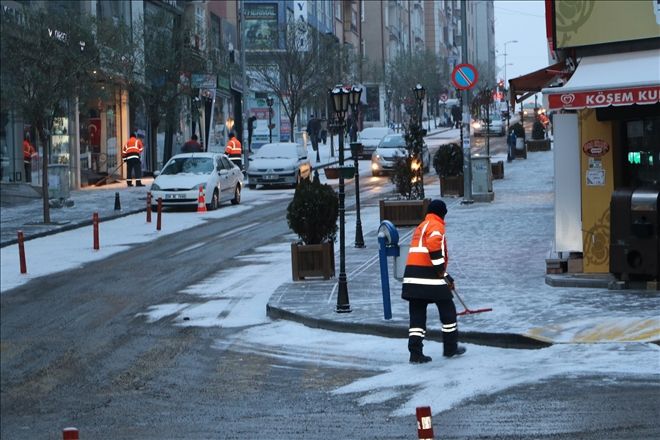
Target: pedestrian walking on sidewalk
{"type": "Point", "coordinates": [131, 154]}
{"type": "Point", "coordinates": [425, 281]}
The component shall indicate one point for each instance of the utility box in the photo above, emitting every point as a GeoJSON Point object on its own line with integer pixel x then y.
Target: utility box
{"type": "Point", "coordinates": [58, 181]}
{"type": "Point", "coordinates": [482, 179]}
{"type": "Point", "coordinates": [634, 234]}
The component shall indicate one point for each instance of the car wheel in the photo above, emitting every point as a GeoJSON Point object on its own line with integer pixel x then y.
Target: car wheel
{"type": "Point", "coordinates": [215, 201]}
{"type": "Point", "coordinates": [237, 195]}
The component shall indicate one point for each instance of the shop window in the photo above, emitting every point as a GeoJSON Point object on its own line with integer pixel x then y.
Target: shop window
{"type": "Point", "coordinates": [642, 160]}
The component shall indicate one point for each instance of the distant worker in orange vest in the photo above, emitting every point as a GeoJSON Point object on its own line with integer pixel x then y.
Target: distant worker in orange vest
{"type": "Point", "coordinates": [234, 151]}
{"type": "Point", "coordinates": [130, 152]}
{"type": "Point", "coordinates": [28, 152]}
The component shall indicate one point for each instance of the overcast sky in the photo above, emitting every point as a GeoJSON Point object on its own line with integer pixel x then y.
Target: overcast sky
{"type": "Point", "coordinates": [524, 21]}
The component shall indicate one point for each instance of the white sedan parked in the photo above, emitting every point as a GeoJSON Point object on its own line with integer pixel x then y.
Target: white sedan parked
{"type": "Point", "coordinates": [279, 163]}
{"type": "Point", "coordinates": [179, 182]}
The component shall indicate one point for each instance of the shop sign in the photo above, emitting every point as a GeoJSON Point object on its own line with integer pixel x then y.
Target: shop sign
{"type": "Point", "coordinates": [605, 98]}
{"type": "Point", "coordinates": [595, 148]}
{"type": "Point", "coordinates": [203, 81]}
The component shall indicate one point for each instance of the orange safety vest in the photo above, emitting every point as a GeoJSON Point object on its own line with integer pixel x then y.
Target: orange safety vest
{"type": "Point", "coordinates": [426, 266]}
{"type": "Point", "coordinates": [233, 148]}
{"type": "Point", "coordinates": [132, 148]}
{"type": "Point", "coordinates": [28, 150]}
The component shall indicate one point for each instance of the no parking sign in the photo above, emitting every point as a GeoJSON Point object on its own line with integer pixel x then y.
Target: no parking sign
{"type": "Point", "coordinates": [464, 76]}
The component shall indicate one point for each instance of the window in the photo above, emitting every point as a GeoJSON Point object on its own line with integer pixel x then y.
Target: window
{"type": "Point", "coordinates": [642, 164]}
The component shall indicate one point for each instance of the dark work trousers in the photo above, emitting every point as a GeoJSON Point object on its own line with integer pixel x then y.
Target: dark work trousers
{"type": "Point", "coordinates": [238, 160]}
{"type": "Point", "coordinates": [27, 164]}
{"type": "Point", "coordinates": [133, 168]}
{"type": "Point", "coordinates": [447, 311]}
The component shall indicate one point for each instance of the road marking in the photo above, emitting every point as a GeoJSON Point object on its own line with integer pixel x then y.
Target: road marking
{"type": "Point", "coordinates": [189, 248]}
{"type": "Point", "coordinates": [234, 231]}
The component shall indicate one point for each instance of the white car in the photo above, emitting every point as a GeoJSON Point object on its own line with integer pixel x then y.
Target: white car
{"type": "Point", "coordinates": [179, 182]}
{"type": "Point", "coordinates": [391, 148]}
{"type": "Point", "coordinates": [370, 139]}
{"type": "Point", "coordinates": [279, 163]}
{"type": "Point", "coordinates": [496, 126]}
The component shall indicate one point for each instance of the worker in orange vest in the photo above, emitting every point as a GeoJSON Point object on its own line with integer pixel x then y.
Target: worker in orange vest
{"type": "Point", "coordinates": [426, 281]}
{"type": "Point", "coordinates": [234, 150]}
{"type": "Point", "coordinates": [28, 152]}
{"type": "Point", "coordinates": [131, 154]}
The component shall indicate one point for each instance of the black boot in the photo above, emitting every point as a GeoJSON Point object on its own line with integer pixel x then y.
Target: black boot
{"type": "Point", "coordinates": [129, 183]}
{"type": "Point", "coordinates": [415, 347]}
{"type": "Point", "coordinates": [139, 183]}
{"type": "Point", "coordinates": [419, 358]}
{"type": "Point", "coordinates": [457, 351]}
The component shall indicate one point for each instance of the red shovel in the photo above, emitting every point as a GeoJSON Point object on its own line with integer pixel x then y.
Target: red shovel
{"type": "Point", "coordinates": [467, 310]}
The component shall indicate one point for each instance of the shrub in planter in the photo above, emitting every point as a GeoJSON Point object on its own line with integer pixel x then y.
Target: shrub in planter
{"type": "Point", "coordinates": [313, 212]}
{"type": "Point", "coordinates": [448, 160]}
{"type": "Point", "coordinates": [518, 129]}
{"type": "Point", "coordinates": [538, 131]}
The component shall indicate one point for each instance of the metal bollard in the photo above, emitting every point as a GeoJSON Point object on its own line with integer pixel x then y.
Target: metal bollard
{"type": "Point", "coordinates": [117, 202]}
{"type": "Point", "coordinates": [424, 424]}
{"type": "Point", "coordinates": [159, 213]}
{"type": "Point", "coordinates": [70, 434]}
{"type": "Point", "coordinates": [148, 206]}
{"type": "Point", "coordinates": [95, 224]}
{"type": "Point", "coordinates": [21, 252]}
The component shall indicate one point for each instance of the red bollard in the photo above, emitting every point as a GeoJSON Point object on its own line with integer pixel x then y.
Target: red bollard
{"type": "Point", "coordinates": [95, 223]}
{"type": "Point", "coordinates": [159, 214]}
{"type": "Point", "coordinates": [424, 424]}
{"type": "Point", "coordinates": [21, 252]}
{"type": "Point", "coordinates": [70, 434]}
{"type": "Point", "coordinates": [148, 206]}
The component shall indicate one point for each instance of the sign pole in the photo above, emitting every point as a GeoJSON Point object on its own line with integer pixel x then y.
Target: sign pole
{"type": "Point", "coordinates": [465, 123]}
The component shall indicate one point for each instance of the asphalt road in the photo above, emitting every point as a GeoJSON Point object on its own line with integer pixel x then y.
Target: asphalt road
{"type": "Point", "coordinates": [74, 352]}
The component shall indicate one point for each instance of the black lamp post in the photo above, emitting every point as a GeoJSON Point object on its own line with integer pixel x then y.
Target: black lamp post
{"type": "Point", "coordinates": [420, 93]}
{"type": "Point", "coordinates": [340, 99]}
{"type": "Point", "coordinates": [269, 103]}
{"type": "Point", "coordinates": [356, 149]}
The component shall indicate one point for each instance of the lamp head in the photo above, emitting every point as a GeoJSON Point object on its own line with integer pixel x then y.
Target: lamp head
{"type": "Point", "coordinates": [420, 92]}
{"type": "Point", "coordinates": [269, 101]}
{"type": "Point", "coordinates": [340, 98]}
{"type": "Point", "coordinates": [354, 99]}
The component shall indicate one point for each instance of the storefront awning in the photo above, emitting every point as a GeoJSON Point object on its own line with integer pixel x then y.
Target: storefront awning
{"type": "Point", "coordinates": [610, 80]}
{"type": "Point", "coordinates": [527, 85]}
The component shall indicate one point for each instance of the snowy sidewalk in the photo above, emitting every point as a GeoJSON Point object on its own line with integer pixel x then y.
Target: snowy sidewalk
{"type": "Point", "coordinates": [497, 256]}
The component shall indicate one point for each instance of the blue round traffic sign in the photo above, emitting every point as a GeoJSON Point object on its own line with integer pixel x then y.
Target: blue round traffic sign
{"type": "Point", "coordinates": [464, 76]}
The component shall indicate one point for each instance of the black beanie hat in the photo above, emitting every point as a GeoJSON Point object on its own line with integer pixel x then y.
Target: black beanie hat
{"type": "Point", "coordinates": [438, 208]}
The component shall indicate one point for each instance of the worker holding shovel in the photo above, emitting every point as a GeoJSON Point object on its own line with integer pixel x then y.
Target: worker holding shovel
{"type": "Point", "coordinates": [425, 281]}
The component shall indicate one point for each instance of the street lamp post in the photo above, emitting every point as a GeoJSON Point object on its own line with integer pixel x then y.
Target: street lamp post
{"type": "Point", "coordinates": [340, 97]}
{"type": "Point", "coordinates": [269, 103]}
{"type": "Point", "coordinates": [506, 84]}
{"type": "Point", "coordinates": [420, 93]}
{"type": "Point", "coordinates": [356, 148]}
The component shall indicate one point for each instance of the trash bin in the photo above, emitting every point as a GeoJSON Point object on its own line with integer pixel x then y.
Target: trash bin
{"type": "Point", "coordinates": [58, 181]}
{"type": "Point", "coordinates": [634, 233]}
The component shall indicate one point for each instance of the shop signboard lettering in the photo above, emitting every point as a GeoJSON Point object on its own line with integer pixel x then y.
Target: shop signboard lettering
{"type": "Point", "coordinates": [605, 98]}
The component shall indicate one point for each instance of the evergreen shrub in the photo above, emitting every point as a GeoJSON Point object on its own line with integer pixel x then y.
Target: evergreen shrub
{"type": "Point", "coordinates": [313, 212]}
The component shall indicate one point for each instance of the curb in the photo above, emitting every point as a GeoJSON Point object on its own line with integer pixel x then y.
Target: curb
{"type": "Point", "coordinates": [500, 340]}
{"type": "Point", "coordinates": [69, 227]}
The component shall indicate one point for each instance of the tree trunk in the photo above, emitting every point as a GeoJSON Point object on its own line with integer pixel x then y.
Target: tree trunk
{"type": "Point", "coordinates": [292, 120]}
{"type": "Point", "coordinates": [169, 134]}
{"type": "Point", "coordinates": [153, 143]}
{"type": "Point", "coordinates": [44, 171]}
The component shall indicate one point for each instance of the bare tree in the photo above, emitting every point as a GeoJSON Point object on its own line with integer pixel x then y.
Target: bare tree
{"type": "Point", "coordinates": [46, 59]}
{"type": "Point", "coordinates": [297, 71]}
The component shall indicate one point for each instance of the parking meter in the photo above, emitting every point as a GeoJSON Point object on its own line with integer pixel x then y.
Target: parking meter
{"type": "Point", "coordinates": [388, 246]}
